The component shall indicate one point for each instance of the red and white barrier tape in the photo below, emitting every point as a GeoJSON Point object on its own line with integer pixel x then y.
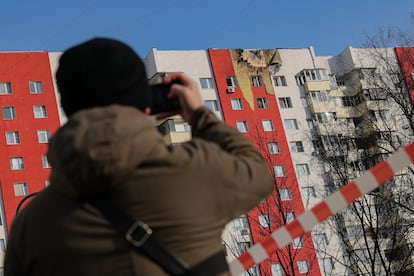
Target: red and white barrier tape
{"type": "Point", "coordinates": [370, 180]}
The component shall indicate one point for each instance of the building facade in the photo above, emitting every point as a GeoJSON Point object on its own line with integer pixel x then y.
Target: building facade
{"type": "Point", "coordinates": [29, 116]}
{"type": "Point", "coordinates": [319, 122]}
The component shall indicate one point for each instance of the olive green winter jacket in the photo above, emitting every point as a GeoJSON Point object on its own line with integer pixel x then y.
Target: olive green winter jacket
{"type": "Point", "coordinates": [186, 193]}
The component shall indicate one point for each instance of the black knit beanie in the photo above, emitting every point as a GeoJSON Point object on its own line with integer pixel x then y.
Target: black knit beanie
{"type": "Point", "coordinates": [101, 72]}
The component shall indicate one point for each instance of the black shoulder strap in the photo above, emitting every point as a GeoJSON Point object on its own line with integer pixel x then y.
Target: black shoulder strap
{"type": "Point", "coordinates": [140, 236]}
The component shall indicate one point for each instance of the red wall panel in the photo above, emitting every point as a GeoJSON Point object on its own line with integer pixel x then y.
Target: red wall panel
{"type": "Point", "coordinates": [19, 69]}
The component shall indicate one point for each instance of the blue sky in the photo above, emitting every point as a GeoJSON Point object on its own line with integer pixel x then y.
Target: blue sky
{"type": "Point", "coordinates": [329, 26]}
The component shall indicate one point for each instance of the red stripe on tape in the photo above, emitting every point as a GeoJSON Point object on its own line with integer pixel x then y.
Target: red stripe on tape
{"type": "Point", "coordinates": [295, 229]}
{"type": "Point", "coordinates": [247, 260]}
{"type": "Point", "coordinates": [270, 245]}
{"type": "Point", "coordinates": [321, 211]}
{"type": "Point", "coordinates": [350, 192]}
{"type": "Point", "coordinates": [410, 151]}
{"type": "Point", "coordinates": [382, 172]}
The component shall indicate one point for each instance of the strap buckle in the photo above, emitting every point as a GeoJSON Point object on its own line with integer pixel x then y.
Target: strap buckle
{"type": "Point", "coordinates": [139, 229]}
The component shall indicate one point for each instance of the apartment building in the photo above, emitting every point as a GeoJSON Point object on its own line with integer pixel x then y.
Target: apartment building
{"type": "Point", "coordinates": [319, 122]}
{"type": "Point", "coordinates": [29, 116]}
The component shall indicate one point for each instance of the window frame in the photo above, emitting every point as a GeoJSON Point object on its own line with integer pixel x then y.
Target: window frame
{"type": "Point", "coordinates": [290, 216]}
{"type": "Point", "coordinates": [245, 125]}
{"type": "Point", "coordinates": [231, 81]}
{"type": "Point", "coordinates": [308, 192]}
{"type": "Point", "coordinates": [16, 166]}
{"type": "Point", "coordinates": [276, 269]}
{"type": "Point", "coordinates": [262, 103]}
{"type": "Point", "coordinates": [303, 266]}
{"type": "Point", "coordinates": [45, 162]}
{"type": "Point", "coordinates": [7, 88]}
{"type": "Point", "coordinates": [41, 112]}
{"type": "Point", "coordinates": [236, 104]}
{"type": "Point", "coordinates": [257, 81]}
{"type": "Point", "coordinates": [273, 145]}
{"type": "Point", "coordinates": [296, 146]}
{"type": "Point", "coordinates": [21, 188]}
{"type": "Point", "coordinates": [291, 124]}
{"type": "Point", "coordinates": [16, 138]}
{"type": "Point", "coordinates": [325, 263]}
{"type": "Point", "coordinates": [285, 194]}
{"type": "Point", "coordinates": [268, 125]}
{"type": "Point", "coordinates": [285, 102]}
{"type": "Point", "coordinates": [298, 243]}
{"type": "Point", "coordinates": [11, 112]}
{"type": "Point", "coordinates": [36, 87]}
{"type": "Point", "coordinates": [279, 170]}
{"type": "Point", "coordinates": [41, 134]}
{"type": "Point", "coordinates": [320, 239]}
{"type": "Point", "coordinates": [214, 105]}
{"type": "Point", "coordinates": [264, 220]}
{"type": "Point", "coordinates": [279, 80]}
{"type": "Point", "coordinates": [206, 83]}
{"type": "Point", "coordinates": [302, 169]}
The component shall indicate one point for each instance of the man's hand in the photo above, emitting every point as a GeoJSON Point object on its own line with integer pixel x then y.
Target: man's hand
{"type": "Point", "coordinates": [187, 92]}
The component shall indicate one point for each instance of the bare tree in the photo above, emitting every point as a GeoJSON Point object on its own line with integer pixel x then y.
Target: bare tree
{"type": "Point", "coordinates": [377, 230]}
{"type": "Point", "coordinates": [279, 208]}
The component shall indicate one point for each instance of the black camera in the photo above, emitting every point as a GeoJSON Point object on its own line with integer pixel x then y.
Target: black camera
{"type": "Point", "coordinates": [159, 101]}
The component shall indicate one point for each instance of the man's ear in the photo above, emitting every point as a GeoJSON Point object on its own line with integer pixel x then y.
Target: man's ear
{"type": "Point", "coordinates": [147, 111]}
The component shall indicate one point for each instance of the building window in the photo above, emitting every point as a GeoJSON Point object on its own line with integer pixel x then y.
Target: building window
{"type": "Point", "coordinates": [264, 220]}
{"type": "Point", "coordinates": [302, 169]}
{"type": "Point", "coordinates": [5, 88]}
{"type": "Point", "coordinates": [296, 146]}
{"type": "Point", "coordinates": [354, 231]}
{"type": "Point", "coordinates": [319, 96]}
{"type": "Point", "coordinates": [240, 223]}
{"type": "Point", "coordinates": [279, 170]}
{"type": "Point", "coordinates": [9, 113]}
{"type": "Point", "coordinates": [320, 239]}
{"type": "Point", "coordinates": [325, 117]}
{"type": "Point", "coordinates": [268, 125]}
{"type": "Point", "coordinates": [206, 83]}
{"type": "Point", "coordinates": [262, 103]}
{"type": "Point", "coordinates": [36, 87]}
{"type": "Point", "coordinates": [327, 265]}
{"type": "Point", "coordinates": [244, 246]}
{"type": "Point", "coordinates": [242, 126]}
{"type": "Point", "coordinates": [211, 104]}
{"type": "Point", "coordinates": [273, 147]}
{"type": "Point", "coordinates": [277, 270]}
{"type": "Point", "coordinates": [290, 216]}
{"type": "Point", "coordinates": [16, 163]}
{"type": "Point", "coordinates": [257, 81]}
{"type": "Point", "coordinates": [231, 81]}
{"type": "Point", "coordinates": [290, 124]}
{"type": "Point", "coordinates": [2, 247]}
{"type": "Point", "coordinates": [310, 123]}
{"type": "Point", "coordinates": [285, 102]}
{"type": "Point", "coordinates": [43, 136]}
{"type": "Point", "coordinates": [380, 115]}
{"type": "Point", "coordinates": [303, 266]}
{"type": "Point", "coordinates": [45, 163]}
{"type": "Point", "coordinates": [297, 243]}
{"type": "Point", "coordinates": [236, 104]}
{"type": "Point", "coordinates": [308, 192]}
{"type": "Point", "coordinates": [351, 100]}
{"type": "Point", "coordinates": [21, 189]}
{"type": "Point", "coordinates": [12, 138]}
{"type": "Point", "coordinates": [39, 111]}
{"type": "Point", "coordinates": [284, 194]}
{"type": "Point", "coordinates": [279, 81]}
